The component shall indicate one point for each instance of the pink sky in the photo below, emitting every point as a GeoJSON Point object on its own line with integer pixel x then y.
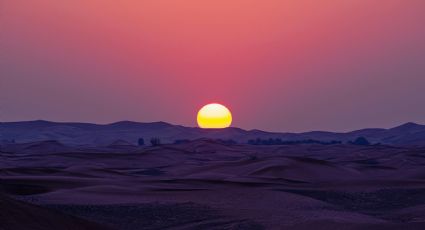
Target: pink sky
{"type": "Point", "coordinates": [278, 65]}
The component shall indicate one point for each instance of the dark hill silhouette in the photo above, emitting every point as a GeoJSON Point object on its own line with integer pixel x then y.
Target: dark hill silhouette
{"type": "Point", "coordinates": [72, 133]}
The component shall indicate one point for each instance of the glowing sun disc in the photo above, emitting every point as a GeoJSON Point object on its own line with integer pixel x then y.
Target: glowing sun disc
{"type": "Point", "coordinates": [214, 116]}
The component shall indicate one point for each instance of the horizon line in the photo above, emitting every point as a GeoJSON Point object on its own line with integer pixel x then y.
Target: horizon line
{"type": "Point", "coordinates": [196, 127]}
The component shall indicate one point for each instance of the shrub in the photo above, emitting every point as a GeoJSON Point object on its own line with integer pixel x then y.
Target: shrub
{"type": "Point", "coordinates": [279, 141]}
{"type": "Point", "coordinates": [141, 142]}
{"type": "Point", "coordinates": [155, 141]}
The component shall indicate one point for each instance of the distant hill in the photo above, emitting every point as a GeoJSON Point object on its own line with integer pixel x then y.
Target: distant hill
{"type": "Point", "coordinates": [86, 134]}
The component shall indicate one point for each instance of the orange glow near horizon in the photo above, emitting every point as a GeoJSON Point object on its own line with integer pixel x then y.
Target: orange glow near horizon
{"type": "Point", "coordinates": [214, 116]}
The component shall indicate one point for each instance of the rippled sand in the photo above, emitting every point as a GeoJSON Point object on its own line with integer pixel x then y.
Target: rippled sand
{"type": "Point", "coordinates": [207, 185]}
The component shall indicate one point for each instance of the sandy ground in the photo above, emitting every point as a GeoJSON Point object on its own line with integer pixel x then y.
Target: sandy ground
{"type": "Point", "coordinates": [208, 185]}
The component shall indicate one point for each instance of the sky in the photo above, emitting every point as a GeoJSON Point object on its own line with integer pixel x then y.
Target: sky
{"type": "Point", "coordinates": [278, 65]}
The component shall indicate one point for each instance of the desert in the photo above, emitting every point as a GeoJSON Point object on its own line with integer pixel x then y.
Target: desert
{"type": "Point", "coordinates": [212, 184]}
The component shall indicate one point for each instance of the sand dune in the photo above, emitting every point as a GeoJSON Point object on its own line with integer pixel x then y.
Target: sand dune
{"type": "Point", "coordinates": [16, 215]}
{"type": "Point", "coordinates": [228, 186]}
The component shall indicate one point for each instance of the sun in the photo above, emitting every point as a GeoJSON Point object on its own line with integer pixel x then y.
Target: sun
{"type": "Point", "coordinates": [214, 116]}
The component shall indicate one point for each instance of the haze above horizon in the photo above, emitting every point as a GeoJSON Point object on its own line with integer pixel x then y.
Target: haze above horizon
{"type": "Point", "coordinates": [277, 65]}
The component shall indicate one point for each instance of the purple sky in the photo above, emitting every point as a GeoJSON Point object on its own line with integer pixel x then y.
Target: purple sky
{"type": "Point", "coordinates": [277, 65]}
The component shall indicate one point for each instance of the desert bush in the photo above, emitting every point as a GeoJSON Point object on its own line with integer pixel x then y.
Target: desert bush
{"type": "Point", "coordinates": [155, 141]}
{"type": "Point", "coordinates": [141, 142]}
{"type": "Point", "coordinates": [278, 141]}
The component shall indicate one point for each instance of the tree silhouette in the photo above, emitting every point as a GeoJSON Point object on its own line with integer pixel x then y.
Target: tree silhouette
{"type": "Point", "coordinates": [278, 141]}
{"type": "Point", "coordinates": [155, 141]}
{"type": "Point", "coordinates": [141, 141]}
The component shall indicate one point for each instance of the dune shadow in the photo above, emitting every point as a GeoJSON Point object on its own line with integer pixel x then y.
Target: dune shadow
{"type": "Point", "coordinates": [157, 216]}
{"type": "Point", "coordinates": [376, 203]}
{"type": "Point", "coordinates": [20, 189]}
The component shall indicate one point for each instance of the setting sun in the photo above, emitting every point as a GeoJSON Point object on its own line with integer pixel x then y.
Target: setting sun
{"type": "Point", "coordinates": [214, 116]}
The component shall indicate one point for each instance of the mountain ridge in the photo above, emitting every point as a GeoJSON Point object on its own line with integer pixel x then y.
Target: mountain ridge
{"type": "Point", "coordinates": [79, 133]}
